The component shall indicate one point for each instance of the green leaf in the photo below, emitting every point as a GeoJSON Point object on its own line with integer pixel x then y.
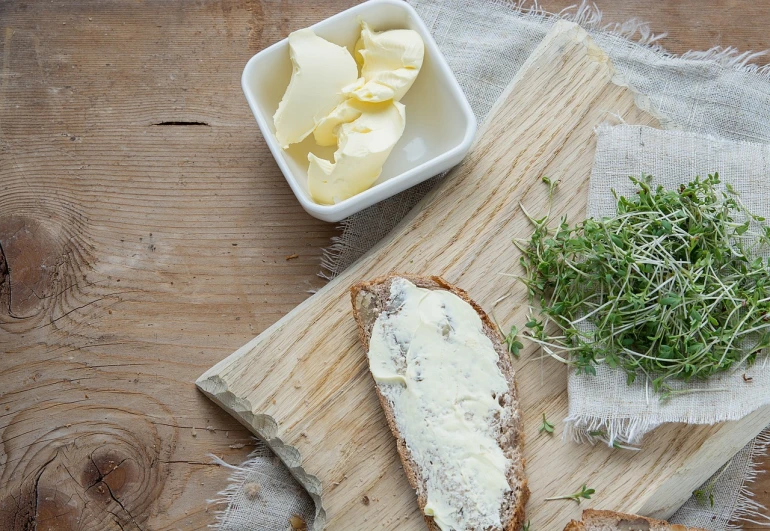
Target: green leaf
{"type": "Point", "coordinates": [670, 300]}
{"type": "Point", "coordinates": [512, 342]}
{"type": "Point", "coordinates": [546, 426]}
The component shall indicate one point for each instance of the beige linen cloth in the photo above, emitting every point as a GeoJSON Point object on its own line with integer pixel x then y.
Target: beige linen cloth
{"type": "Point", "coordinates": [715, 92]}
{"type": "Point", "coordinates": [605, 402]}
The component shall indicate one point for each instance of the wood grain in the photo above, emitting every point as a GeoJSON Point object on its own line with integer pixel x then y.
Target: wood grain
{"type": "Point", "coordinates": [304, 385]}
{"type": "Point", "coordinates": [82, 167]}
{"type": "Point", "coordinates": [144, 230]}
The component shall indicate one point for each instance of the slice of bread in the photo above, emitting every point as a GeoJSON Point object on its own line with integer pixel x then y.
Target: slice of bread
{"type": "Point", "coordinates": [594, 520]}
{"type": "Point", "coordinates": [370, 300]}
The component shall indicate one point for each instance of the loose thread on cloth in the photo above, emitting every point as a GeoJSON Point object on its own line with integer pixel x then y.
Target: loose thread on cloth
{"type": "Point", "coordinates": [730, 489]}
{"type": "Point", "coordinates": [747, 508]}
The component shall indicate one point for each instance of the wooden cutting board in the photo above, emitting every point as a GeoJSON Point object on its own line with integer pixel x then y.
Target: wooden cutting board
{"type": "Point", "coordinates": [304, 385]}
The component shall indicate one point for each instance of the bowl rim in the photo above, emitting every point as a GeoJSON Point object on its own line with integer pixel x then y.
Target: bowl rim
{"type": "Point", "coordinates": [397, 183]}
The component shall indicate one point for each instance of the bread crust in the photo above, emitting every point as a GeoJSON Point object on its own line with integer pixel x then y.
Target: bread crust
{"type": "Point", "coordinates": [596, 514]}
{"type": "Point", "coordinates": [514, 436]}
{"type": "Point", "coordinates": [574, 525]}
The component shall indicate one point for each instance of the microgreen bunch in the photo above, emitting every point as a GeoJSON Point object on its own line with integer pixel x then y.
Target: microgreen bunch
{"type": "Point", "coordinates": [671, 287]}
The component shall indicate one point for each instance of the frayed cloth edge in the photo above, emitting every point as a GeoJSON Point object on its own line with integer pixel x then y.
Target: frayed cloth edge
{"type": "Point", "coordinates": [747, 508]}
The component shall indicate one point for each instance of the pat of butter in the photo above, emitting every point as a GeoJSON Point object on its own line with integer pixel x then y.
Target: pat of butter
{"type": "Point", "coordinates": [432, 361]}
{"type": "Point", "coordinates": [320, 72]}
{"type": "Point", "coordinates": [361, 115]}
{"type": "Point", "coordinates": [365, 140]}
{"type": "Point", "coordinates": [326, 131]}
{"type": "Point", "coordinates": [390, 62]}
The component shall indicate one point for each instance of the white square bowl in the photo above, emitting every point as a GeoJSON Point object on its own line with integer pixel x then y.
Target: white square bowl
{"type": "Point", "coordinates": [440, 124]}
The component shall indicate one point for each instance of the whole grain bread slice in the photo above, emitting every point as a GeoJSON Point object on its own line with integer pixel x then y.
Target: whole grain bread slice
{"type": "Point", "coordinates": [594, 520]}
{"type": "Point", "coordinates": [369, 301]}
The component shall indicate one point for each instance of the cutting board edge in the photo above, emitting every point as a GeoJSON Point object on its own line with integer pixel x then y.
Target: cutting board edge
{"type": "Point", "coordinates": [240, 408]}
{"type": "Point", "coordinates": [217, 369]}
{"type": "Point", "coordinates": [663, 503]}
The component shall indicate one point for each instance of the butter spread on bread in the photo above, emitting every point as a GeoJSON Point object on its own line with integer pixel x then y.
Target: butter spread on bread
{"type": "Point", "coordinates": [434, 363]}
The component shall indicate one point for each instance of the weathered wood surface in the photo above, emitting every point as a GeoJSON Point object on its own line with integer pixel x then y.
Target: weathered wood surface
{"type": "Point", "coordinates": [304, 384]}
{"type": "Point", "coordinates": [82, 168]}
{"type": "Point", "coordinates": [145, 230]}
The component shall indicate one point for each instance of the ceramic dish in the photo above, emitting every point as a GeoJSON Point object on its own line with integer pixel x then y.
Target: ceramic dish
{"type": "Point", "coordinates": [440, 124]}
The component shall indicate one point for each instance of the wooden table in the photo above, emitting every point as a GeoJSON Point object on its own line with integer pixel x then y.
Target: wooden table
{"type": "Point", "coordinates": [146, 233]}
